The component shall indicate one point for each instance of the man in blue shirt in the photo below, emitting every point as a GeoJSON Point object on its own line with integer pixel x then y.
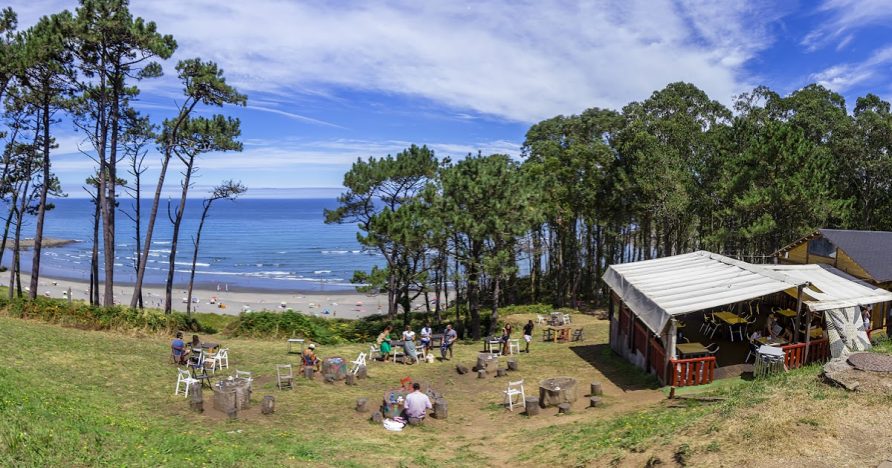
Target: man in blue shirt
{"type": "Point", "coordinates": [178, 349]}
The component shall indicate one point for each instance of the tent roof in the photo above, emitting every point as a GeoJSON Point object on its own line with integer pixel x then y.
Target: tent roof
{"type": "Point", "coordinates": [656, 290]}
{"type": "Point", "coordinates": [830, 288]}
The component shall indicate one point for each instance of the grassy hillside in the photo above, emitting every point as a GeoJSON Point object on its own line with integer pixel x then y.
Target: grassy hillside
{"type": "Point", "coordinates": [78, 397]}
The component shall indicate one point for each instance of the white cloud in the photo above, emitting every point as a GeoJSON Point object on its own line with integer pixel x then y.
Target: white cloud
{"type": "Point", "coordinates": [844, 17]}
{"type": "Point", "coordinates": [521, 61]}
{"type": "Point", "coordinates": [843, 77]}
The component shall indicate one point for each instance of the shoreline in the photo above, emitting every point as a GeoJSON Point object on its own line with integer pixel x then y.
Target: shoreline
{"type": "Point", "coordinates": [340, 304]}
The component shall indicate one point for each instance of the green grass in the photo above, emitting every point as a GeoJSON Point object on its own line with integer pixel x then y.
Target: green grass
{"type": "Point", "coordinates": [77, 397]}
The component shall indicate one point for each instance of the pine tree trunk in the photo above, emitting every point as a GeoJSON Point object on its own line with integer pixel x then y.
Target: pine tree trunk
{"type": "Point", "coordinates": [204, 215]}
{"type": "Point", "coordinates": [41, 208]}
{"type": "Point", "coordinates": [168, 287]}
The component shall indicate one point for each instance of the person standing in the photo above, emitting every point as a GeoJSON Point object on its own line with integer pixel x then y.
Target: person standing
{"type": "Point", "coordinates": [426, 333]}
{"type": "Point", "coordinates": [384, 343]}
{"type": "Point", "coordinates": [528, 334]}
{"type": "Point", "coordinates": [448, 339]}
{"type": "Point", "coordinates": [409, 345]}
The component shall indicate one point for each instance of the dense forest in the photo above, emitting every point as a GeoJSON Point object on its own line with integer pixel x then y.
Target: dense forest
{"type": "Point", "coordinates": [673, 173]}
{"type": "Point", "coordinates": [83, 69]}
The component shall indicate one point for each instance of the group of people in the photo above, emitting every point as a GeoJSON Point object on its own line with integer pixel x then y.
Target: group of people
{"type": "Point", "coordinates": [180, 350]}
{"type": "Point", "coordinates": [411, 353]}
{"type": "Point", "coordinates": [450, 336]}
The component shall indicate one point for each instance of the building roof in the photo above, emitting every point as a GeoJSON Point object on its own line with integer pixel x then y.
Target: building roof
{"type": "Point", "coordinates": [656, 290]}
{"type": "Point", "coordinates": [830, 288]}
{"type": "Point", "coordinates": [871, 250]}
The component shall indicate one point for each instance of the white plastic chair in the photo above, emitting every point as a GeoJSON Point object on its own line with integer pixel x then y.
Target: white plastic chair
{"type": "Point", "coordinates": [566, 318]}
{"type": "Point", "coordinates": [540, 319]}
{"type": "Point", "coordinates": [374, 352]}
{"type": "Point", "coordinates": [360, 361]}
{"type": "Point", "coordinates": [495, 347]}
{"type": "Point", "coordinates": [514, 346]}
{"type": "Point", "coordinates": [249, 376]}
{"type": "Point", "coordinates": [222, 358]}
{"type": "Point", "coordinates": [183, 377]}
{"type": "Point", "coordinates": [514, 389]}
{"type": "Point", "coordinates": [284, 376]}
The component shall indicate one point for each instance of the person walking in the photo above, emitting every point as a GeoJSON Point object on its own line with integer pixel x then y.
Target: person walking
{"type": "Point", "coordinates": [528, 334]}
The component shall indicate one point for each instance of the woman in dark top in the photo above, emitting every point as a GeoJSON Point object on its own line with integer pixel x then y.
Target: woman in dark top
{"type": "Point", "coordinates": [506, 336]}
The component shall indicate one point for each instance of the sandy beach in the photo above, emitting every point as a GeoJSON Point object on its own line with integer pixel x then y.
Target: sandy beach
{"type": "Point", "coordinates": [333, 304]}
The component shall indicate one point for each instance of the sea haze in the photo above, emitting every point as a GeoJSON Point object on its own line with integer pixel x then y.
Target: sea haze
{"type": "Point", "coordinates": [280, 244]}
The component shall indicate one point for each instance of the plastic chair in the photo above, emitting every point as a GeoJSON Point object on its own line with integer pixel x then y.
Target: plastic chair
{"type": "Point", "coordinates": [284, 376]}
{"type": "Point", "coordinates": [183, 377]}
{"type": "Point", "coordinates": [359, 362]}
{"type": "Point", "coordinates": [710, 350]}
{"type": "Point", "coordinates": [223, 358]}
{"type": "Point", "coordinates": [548, 334]}
{"type": "Point", "coordinates": [514, 346]}
{"type": "Point", "coordinates": [540, 319]}
{"type": "Point", "coordinates": [374, 353]}
{"type": "Point", "coordinates": [495, 346]}
{"type": "Point", "coordinates": [566, 319]}
{"type": "Point", "coordinates": [514, 389]}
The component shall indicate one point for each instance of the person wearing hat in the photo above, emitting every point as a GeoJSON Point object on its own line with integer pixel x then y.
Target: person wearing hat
{"type": "Point", "coordinates": [309, 357]}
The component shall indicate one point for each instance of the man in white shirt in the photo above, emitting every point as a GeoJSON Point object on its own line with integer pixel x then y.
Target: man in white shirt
{"type": "Point", "coordinates": [417, 403]}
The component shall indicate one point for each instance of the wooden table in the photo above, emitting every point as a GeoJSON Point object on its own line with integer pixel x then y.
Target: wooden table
{"type": "Point", "coordinates": [730, 318]}
{"type": "Point", "coordinates": [561, 333]}
{"type": "Point", "coordinates": [292, 341]}
{"type": "Point", "coordinates": [691, 349]}
{"type": "Point", "coordinates": [817, 333]}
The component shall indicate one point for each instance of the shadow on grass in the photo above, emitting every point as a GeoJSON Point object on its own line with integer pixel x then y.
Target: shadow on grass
{"type": "Point", "coordinates": [616, 369]}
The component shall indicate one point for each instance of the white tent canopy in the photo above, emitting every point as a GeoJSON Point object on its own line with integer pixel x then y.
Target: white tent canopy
{"type": "Point", "coordinates": [656, 290]}
{"type": "Point", "coordinates": [830, 288]}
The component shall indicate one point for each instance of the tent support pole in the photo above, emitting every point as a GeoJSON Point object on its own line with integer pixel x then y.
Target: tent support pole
{"type": "Point", "coordinates": [798, 312]}
{"type": "Point", "coordinates": [807, 339]}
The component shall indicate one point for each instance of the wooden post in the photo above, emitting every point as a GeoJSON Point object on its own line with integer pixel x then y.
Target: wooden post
{"type": "Point", "coordinates": [362, 405]}
{"type": "Point", "coordinates": [501, 372]}
{"type": "Point", "coordinates": [531, 404]}
{"type": "Point", "coordinates": [798, 313]}
{"type": "Point", "coordinates": [377, 417]}
{"type": "Point", "coordinates": [308, 372]}
{"type": "Point", "coordinates": [596, 389]}
{"type": "Point", "coordinates": [268, 405]}
{"type": "Point", "coordinates": [350, 379]}
{"type": "Point", "coordinates": [672, 338]}
{"type": "Point", "coordinates": [440, 409]}
{"type": "Point", "coordinates": [362, 372]}
{"type": "Point", "coordinates": [594, 402]}
{"type": "Point", "coordinates": [197, 400]}
{"type": "Point", "coordinates": [481, 373]}
{"type": "Point", "coordinates": [69, 296]}
{"type": "Point", "coordinates": [564, 408]}
{"type": "Point", "coordinates": [807, 340]}
{"type": "Point", "coordinates": [512, 364]}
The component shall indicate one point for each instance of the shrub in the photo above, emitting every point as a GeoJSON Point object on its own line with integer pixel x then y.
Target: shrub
{"type": "Point", "coordinates": [82, 315]}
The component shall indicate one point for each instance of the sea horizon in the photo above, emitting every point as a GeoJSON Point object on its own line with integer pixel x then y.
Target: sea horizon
{"type": "Point", "coordinates": [275, 244]}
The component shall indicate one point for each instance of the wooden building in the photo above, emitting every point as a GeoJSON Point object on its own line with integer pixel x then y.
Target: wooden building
{"type": "Point", "coordinates": [866, 255]}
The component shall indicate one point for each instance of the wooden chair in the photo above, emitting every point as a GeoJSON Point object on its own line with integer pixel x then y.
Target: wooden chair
{"type": "Point", "coordinates": [284, 376]}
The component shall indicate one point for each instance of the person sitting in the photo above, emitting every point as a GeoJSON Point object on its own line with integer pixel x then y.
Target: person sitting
{"type": "Point", "coordinates": [426, 333]}
{"type": "Point", "coordinates": [309, 357]}
{"type": "Point", "coordinates": [449, 339]}
{"type": "Point", "coordinates": [196, 343]}
{"type": "Point", "coordinates": [384, 343]}
{"type": "Point", "coordinates": [755, 336]}
{"type": "Point", "coordinates": [417, 403]}
{"type": "Point", "coordinates": [178, 349]}
{"type": "Point", "coordinates": [506, 337]}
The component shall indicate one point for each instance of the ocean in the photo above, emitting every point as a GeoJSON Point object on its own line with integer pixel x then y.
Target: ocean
{"type": "Point", "coordinates": [273, 244]}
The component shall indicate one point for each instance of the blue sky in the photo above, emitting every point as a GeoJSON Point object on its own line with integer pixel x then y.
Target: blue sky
{"type": "Point", "coordinates": [330, 82]}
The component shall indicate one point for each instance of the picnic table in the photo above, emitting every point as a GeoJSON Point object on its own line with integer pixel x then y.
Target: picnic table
{"type": "Point", "coordinates": [561, 332]}
{"type": "Point", "coordinates": [210, 347]}
{"type": "Point", "coordinates": [691, 349]}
